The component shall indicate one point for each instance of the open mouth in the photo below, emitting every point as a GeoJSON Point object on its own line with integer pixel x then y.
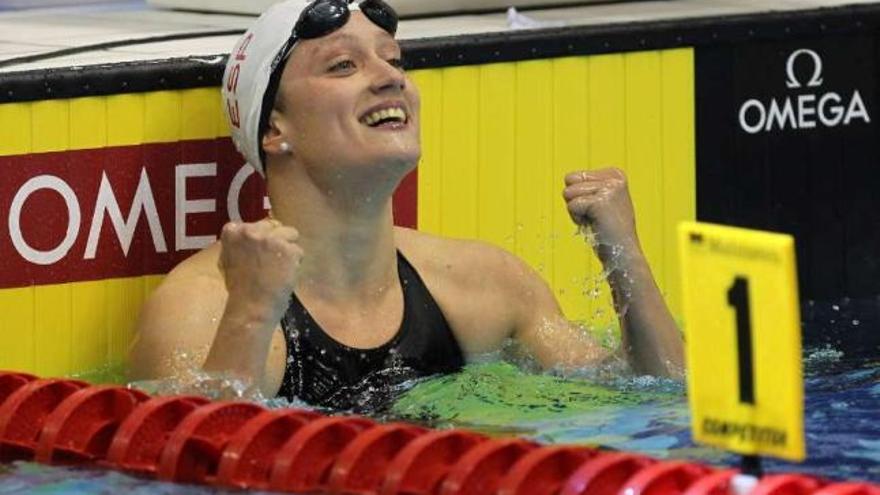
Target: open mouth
{"type": "Point", "coordinates": [392, 117]}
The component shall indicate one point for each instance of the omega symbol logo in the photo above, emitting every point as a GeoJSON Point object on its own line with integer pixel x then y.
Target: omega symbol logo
{"type": "Point", "coordinates": [816, 80]}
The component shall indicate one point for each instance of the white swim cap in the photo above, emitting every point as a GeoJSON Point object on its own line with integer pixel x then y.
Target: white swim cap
{"type": "Point", "coordinates": [250, 70]}
{"type": "Point", "coordinates": [247, 75]}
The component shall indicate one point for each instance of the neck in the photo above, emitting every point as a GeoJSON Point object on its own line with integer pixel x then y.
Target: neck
{"type": "Point", "coordinates": [346, 232]}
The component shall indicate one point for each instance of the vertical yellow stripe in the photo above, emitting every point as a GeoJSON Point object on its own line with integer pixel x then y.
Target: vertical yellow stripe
{"type": "Point", "coordinates": [52, 329]}
{"type": "Point", "coordinates": [533, 144]}
{"type": "Point", "coordinates": [125, 119]}
{"type": "Point", "coordinates": [90, 338]}
{"type": "Point", "coordinates": [124, 299]}
{"type": "Point", "coordinates": [200, 113]}
{"type": "Point", "coordinates": [15, 128]}
{"type": "Point", "coordinates": [88, 123]}
{"type": "Point", "coordinates": [607, 111]}
{"type": "Point", "coordinates": [430, 84]}
{"type": "Point", "coordinates": [497, 156]}
{"type": "Point", "coordinates": [644, 154]}
{"type": "Point", "coordinates": [51, 124]}
{"type": "Point", "coordinates": [17, 329]}
{"type": "Point", "coordinates": [162, 116]}
{"type": "Point", "coordinates": [571, 255]}
{"type": "Point", "coordinates": [679, 159]}
{"type": "Point", "coordinates": [459, 171]}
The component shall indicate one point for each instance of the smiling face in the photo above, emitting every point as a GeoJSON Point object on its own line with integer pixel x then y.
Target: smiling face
{"type": "Point", "coordinates": [345, 103]}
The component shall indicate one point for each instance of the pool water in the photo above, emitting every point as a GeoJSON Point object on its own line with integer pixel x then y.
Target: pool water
{"type": "Point", "coordinates": [641, 414]}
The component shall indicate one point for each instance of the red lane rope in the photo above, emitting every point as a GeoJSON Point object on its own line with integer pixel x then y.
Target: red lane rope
{"type": "Point", "coordinates": [243, 445]}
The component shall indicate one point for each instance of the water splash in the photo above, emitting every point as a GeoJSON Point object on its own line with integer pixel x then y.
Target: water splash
{"type": "Point", "coordinates": [614, 262]}
{"type": "Point", "coordinates": [213, 385]}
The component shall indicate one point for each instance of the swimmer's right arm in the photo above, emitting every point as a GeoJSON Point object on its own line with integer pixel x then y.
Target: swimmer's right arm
{"type": "Point", "coordinates": [260, 264]}
{"type": "Point", "coordinates": [232, 312]}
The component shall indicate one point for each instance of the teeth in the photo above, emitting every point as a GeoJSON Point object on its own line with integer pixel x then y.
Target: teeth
{"type": "Point", "coordinates": [388, 113]}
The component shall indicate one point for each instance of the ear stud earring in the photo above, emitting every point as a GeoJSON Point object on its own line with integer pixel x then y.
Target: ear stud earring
{"type": "Point", "coordinates": [285, 147]}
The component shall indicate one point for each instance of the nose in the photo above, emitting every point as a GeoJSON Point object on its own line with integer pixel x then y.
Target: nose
{"type": "Point", "coordinates": [386, 77]}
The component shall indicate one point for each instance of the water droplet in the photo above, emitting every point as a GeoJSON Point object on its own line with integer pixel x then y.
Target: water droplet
{"type": "Point", "coordinates": [856, 323]}
{"type": "Point", "coordinates": [835, 307]}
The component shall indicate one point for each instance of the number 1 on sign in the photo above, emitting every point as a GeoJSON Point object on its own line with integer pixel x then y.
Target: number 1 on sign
{"type": "Point", "coordinates": [738, 297]}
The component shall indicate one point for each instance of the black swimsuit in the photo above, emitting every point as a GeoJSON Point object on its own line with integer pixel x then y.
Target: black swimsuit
{"type": "Point", "coordinates": [324, 372]}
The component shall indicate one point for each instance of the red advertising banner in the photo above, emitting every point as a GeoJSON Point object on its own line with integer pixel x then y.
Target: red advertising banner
{"type": "Point", "coordinates": [127, 211]}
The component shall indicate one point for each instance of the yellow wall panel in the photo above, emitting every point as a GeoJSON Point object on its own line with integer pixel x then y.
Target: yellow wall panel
{"type": "Point", "coordinates": [89, 326]}
{"type": "Point", "coordinates": [571, 255]}
{"type": "Point", "coordinates": [200, 114]}
{"type": "Point", "coordinates": [15, 128]}
{"type": "Point", "coordinates": [679, 159]}
{"type": "Point", "coordinates": [88, 123]}
{"type": "Point", "coordinates": [124, 299]}
{"type": "Point", "coordinates": [496, 217]}
{"type": "Point", "coordinates": [644, 153]}
{"type": "Point", "coordinates": [430, 84]}
{"type": "Point", "coordinates": [633, 111]}
{"type": "Point", "coordinates": [17, 329]}
{"type": "Point", "coordinates": [607, 99]}
{"type": "Point", "coordinates": [459, 139]}
{"type": "Point", "coordinates": [53, 336]}
{"type": "Point", "coordinates": [63, 329]}
{"type": "Point", "coordinates": [533, 142]}
{"type": "Point", "coordinates": [125, 119]}
{"type": "Point", "coordinates": [162, 116]}
{"type": "Point", "coordinates": [50, 124]}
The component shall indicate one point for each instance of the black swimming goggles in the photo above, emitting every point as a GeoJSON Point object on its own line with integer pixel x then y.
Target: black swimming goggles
{"type": "Point", "coordinates": [318, 19]}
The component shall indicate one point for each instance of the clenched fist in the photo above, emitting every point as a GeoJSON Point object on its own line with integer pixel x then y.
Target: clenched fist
{"type": "Point", "coordinates": [260, 262]}
{"type": "Point", "coordinates": [600, 199]}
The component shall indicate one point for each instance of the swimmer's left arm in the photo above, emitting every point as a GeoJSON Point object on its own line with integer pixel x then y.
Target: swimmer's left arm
{"type": "Point", "coordinates": [541, 329]}
{"type": "Point", "coordinates": [599, 199]}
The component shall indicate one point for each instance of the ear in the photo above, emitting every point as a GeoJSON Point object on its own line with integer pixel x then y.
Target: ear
{"type": "Point", "coordinates": [275, 140]}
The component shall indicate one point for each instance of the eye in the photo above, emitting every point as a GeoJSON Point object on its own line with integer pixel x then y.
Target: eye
{"type": "Point", "coordinates": [341, 66]}
{"type": "Point", "coordinates": [396, 62]}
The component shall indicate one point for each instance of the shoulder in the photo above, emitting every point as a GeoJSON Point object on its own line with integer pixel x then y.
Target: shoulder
{"type": "Point", "coordinates": [197, 273]}
{"type": "Point", "coordinates": [194, 292]}
{"type": "Point", "coordinates": [464, 261]}
{"type": "Point", "coordinates": [486, 293]}
{"type": "Point", "coordinates": [178, 317]}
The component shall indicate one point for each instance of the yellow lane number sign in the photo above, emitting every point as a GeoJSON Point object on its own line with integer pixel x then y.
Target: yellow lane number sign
{"type": "Point", "coordinates": [742, 333]}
